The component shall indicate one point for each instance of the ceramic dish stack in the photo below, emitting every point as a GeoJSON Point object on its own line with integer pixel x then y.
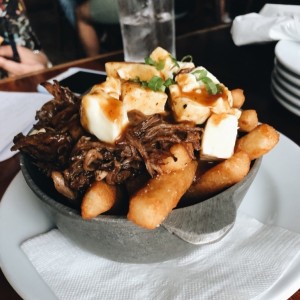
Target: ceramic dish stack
{"type": "Point", "coordinates": [285, 81]}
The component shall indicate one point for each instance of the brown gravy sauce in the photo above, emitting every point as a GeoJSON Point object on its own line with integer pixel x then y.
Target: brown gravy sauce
{"type": "Point", "coordinates": [203, 98]}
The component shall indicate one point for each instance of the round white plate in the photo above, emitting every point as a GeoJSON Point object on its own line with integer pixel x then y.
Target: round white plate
{"type": "Point", "coordinates": [288, 54]}
{"type": "Point", "coordinates": [285, 99]}
{"type": "Point", "coordinates": [273, 198]}
{"type": "Point", "coordinates": [290, 98]}
{"type": "Point", "coordinates": [287, 85]}
{"type": "Point", "coordinates": [285, 104]}
{"type": "Point", "coordinates": [292, 79]}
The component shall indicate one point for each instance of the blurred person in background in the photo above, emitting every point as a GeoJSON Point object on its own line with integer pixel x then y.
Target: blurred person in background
{"type": "Point", "coordinates": [96, 22]}
{"type": "Point", "coordinates": [20, 50]}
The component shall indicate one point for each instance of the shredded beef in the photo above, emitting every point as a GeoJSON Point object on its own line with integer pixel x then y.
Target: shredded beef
{"type": "Point", "coordinates": [153, 138]}
{"type": "Point", "coordinates": [58, 130]}
{"type": "Point", "coordinates": [74, 158]}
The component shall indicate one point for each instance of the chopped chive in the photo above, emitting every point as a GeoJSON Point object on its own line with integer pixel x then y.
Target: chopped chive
{"type": "Point", "coordinates": [187, 58]}
{"type": "Point", "coordinates": [211, 87]}
{"type": "Point", "coordinates": [169, 82]}
{"type": "Point", "coordinates": [174, 60]}
{"type": "Point", "coordinates": [201, 73]}
{"type": "Point", "coordinates": [158, 65]}
{"type": "Point", "coordinates": [156, 83]}
{"type": "Point", "coordinates": [149, 61]}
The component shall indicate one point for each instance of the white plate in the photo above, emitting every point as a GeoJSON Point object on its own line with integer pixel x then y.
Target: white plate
{"type": "Point", "coordinates": [287, 85]}
{"type": "Point", "coordinates": [286, 74]}
{"type": "Point", "coordinates": [283, 101]}
{"type": "Point", "coordinates": [290, 98]}
{"type": "Point", "coordinates": [285, 104]}
{"type": "Point", "coordinates": [288, 54]}
{"type": "Point", "coordinates": [273, 198]}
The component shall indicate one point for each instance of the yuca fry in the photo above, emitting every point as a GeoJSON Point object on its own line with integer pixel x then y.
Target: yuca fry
{"type": "Point", "coordinates": [99, 198]}
{"type": "Point", "coordinates": [221, 176]}
{"type": "Point", "coordinates": [248, 120]}
{"type": "Point", "coordinates": [152, 204]}
{"type": "Point", "coordinates": [258, 142]}
{"type": "Point", "coordinates": [178, 161]}
{"type": "Point", "coordinates": [238, 98]}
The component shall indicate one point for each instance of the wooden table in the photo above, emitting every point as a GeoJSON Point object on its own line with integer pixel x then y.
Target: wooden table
{"type": "Point", "coordinates": [247, 67]}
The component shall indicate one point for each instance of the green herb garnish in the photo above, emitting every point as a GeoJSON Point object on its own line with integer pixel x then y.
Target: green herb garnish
{"type": "Point", "coordinates": [158, 65]}
{"type": "Point", "coordinates": [174, 60]}
{"type": "Point", "coordinates": [200, 74]}
{"type": "Point", "coordinates": [156, 84]}
{"type": "Point", "coordinates": [211, 87]}
{"type": "Point", "coordinates": [188, 58]}
{"type": "Point", "coordinates": [169, 82]}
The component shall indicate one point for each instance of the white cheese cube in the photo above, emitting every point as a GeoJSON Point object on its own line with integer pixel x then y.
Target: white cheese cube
{"type": "Point", "coordinates": [149, 102]}
{"type": "Point", "coordinates": [161, 55]}
{"type": "Point", "coordinates": [170, 66]}
{"type": "Point", "coordinates": [187, 82]}
{"type": "Point", "coordinates": [220, 106]}
{"type": "Point", "coordinates": [131, 71]}
{"type": "Point", "coordinates": [185, 108]}
{"type": "Point", "coordinates": [185, 65]}
{"type": "Point", "coordinates": [112, 87]}
{"type": "Point", "coordinates": [209, 75]}
{"type": "Point", "coordinates": [219, 136]}
{"type": "Point", "coordinates": [103, 116]}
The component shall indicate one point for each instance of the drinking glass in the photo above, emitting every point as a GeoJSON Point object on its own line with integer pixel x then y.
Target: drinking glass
{"type": "Point", "coordinates": [145, 25]}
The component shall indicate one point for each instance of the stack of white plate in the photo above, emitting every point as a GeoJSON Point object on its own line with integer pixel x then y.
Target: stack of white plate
{"type": "Point", "coordinates": [285, 82]}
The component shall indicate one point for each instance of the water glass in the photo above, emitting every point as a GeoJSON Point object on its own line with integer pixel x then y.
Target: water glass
{"type": "Point", "coordinates": [145, 25]}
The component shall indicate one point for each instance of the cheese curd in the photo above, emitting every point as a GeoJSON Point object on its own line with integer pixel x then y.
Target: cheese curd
{"type": "Point", "coordinates": [219, 136]}
{"type": "Point", "coordinates": [186, 108]}
{"type": "Point", "coordinates": [130, 71]}
{"type": "Point", "coordinates": [169, 66]}
{"type": "Point", "coordinates": [195, 96]}
{"type": "Point", "coordinates": [112, 87]}
{"type": "Point", "coordinates": [103, 116]}
{"type": "Point", "coordinates": [149, 102]}
{"type": "Point", "coordinates": [191, 101]}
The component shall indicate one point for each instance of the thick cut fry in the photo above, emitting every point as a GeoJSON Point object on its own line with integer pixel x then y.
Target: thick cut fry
{"type": "Point", "coordinates": [248, 120]}
{"type": "Point", "coordinates": [99, 198]}
{"type": "Point", "coordinates": [238, 98]}
{"type": "Point", "coordinates": [152, 204]}
{"type": "Point", "coordinates": [259, 141]}
{"type": "Point", "coordinates": [178, 161]}
{"type": "Point", "coordinates": [221, 176]}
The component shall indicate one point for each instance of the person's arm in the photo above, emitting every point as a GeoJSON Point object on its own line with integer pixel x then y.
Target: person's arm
{"type": "Point", "coordinates": [30, 61]}
{"type": "Point", "coordinates": [15, 29]}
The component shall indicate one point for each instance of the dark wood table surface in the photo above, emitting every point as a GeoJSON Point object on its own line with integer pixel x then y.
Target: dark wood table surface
{"type": "Point", "coordinates": [247, 67]}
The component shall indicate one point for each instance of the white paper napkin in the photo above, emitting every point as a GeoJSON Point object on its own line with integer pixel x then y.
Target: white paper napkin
{"type": "Point", "coordinates": [248, 261]}
{"type": "Point", "coordinates": [17, 114]}
{"type": "Point", "coordinates": [273, 23]}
